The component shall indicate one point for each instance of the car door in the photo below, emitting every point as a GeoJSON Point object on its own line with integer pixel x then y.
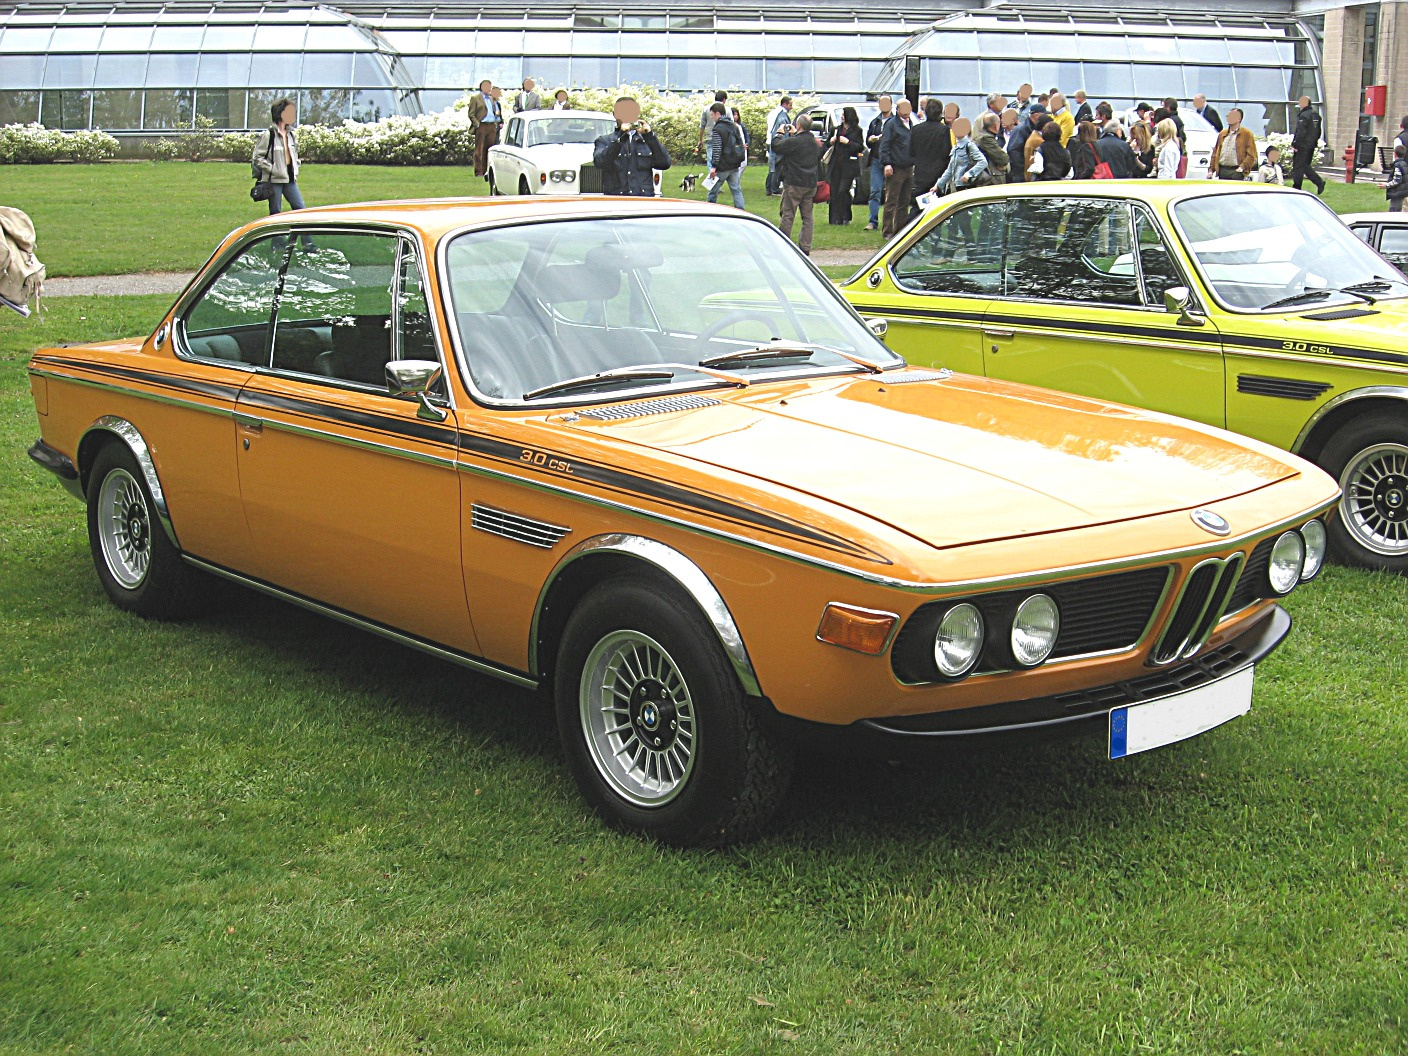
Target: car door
{"type": "Point", "coordinates": [1082, 310]}
{"type": "Point", "coordinates": [942, 282]}
{"type": "Point", "coordinates": [351, 495]}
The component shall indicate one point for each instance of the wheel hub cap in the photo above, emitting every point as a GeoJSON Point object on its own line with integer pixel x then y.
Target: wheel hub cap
{"type": "Point", "coordinates": [1375, 503]}
{"type": "Point", "coordinates": [653, 715]}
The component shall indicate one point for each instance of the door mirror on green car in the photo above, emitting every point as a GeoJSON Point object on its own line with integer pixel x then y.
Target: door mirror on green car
{"type": "Point", "coordinates": [1179, 299]}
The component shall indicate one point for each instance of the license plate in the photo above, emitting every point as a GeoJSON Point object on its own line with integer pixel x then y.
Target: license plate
{"type": "Point", "coordinates": [1139, 727]}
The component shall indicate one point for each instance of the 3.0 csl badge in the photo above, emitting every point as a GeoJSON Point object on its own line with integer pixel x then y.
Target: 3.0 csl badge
{"type": "Point", "coordinates": [1211, 522]}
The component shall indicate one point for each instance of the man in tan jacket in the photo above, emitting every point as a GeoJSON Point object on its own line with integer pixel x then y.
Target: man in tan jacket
{"type": "Point", "coordinates": [1234, 156]}
{"type": "Point", "coordinates": [485, 114]}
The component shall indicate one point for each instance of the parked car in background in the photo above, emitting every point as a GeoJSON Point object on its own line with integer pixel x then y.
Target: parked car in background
{"type": "Point", "coordinates": [550, 152]}
{"type": "Point", "coordinates": [1245, 306]}
{"type": "Point", "coordinates": [643, 456]}
{"type": "Point", "coordinates": [1385, 232]}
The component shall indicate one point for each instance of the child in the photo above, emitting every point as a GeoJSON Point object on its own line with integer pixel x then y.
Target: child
{"type": "Point", "coordinates": [1270, 172]}
{"type": "Point", "coordinates": [1397, 188]}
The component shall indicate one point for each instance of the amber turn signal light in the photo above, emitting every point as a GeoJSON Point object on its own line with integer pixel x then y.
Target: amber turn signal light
{"type": "Point", "coordinates": [850, 627]}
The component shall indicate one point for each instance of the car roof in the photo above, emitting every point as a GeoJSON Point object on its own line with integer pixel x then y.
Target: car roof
{"type": "Point", "coordinates": [540, 115]}
{"type": "Point", "coordinates": [1159, 192]}
{"type": "Point", "coordinates": [436, 216]}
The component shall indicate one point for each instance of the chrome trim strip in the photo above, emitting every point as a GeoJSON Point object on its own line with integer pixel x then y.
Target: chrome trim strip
{"type": "Point", "coordinates": [1367, 392]}
{"type": "Point", "coordinates": [348, 441]}
{"type": "Point", "coordinates": [140, 394]}
{"type": "Point", "coordinates": [679, 568]}
{"type": "Point", "coordinates": [400, 637]}
{"type": "Point", "coordinates": [137, 444]}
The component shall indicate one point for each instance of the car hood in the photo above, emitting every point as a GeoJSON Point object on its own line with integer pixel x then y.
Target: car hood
{"type": "Point", "coordinates": [557, 155]}
{"type": "Point", "coordinates": [962, 459]}
{"type": "Point", "coordinates": [1354, 328]}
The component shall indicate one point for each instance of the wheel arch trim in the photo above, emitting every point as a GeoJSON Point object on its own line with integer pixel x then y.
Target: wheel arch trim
{"type": "Point", "coordinates": [129, 434]}
{"type": "Point", "coordinates": [687, 575]}
{"type": "Point", "coordinates": [1389, 392]}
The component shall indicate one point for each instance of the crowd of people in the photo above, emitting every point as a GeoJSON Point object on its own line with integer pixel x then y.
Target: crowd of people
{"type": "Point", "coordinates": [912, 154]}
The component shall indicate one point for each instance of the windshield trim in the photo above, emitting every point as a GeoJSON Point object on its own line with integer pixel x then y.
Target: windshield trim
{"type": "Point", "coordinates": [461, 361]}
{"type": "Point", "coordinates": [1336, 299]}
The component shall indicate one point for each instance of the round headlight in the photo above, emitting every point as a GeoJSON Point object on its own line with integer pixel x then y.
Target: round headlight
{"type": "Point", "coordinates": [1034, 630]}
{"type": "Point", "coordinates": [1287, 561]}
{"type": "Point", "coordinates": [556, 177]}
{"type": "Point", "coordinates": [958, 642]}
{"type": "Point", "coordinates": [1313, 532]}
{"type": "Point", "coordinates": [568, 176]}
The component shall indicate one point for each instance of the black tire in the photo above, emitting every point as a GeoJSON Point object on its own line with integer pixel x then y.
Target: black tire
{"type": "Point", "coordinates": [1369, 459]}
{"type": "Point", "coordinates": [713, 775]}
{"type": "Point", "coordinates": [494, 191]}
{"type": "Point", "coordinates": [138, 566]}
{"type": "Point", "coordinates": [523, 187]}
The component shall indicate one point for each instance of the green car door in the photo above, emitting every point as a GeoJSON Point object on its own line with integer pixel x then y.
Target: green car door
{"type": "Point", "coordinates": [1082, 309]}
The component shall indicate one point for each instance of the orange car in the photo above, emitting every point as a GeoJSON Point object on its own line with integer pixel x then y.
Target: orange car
{"type": "Point", "coordinates": [644, 456]}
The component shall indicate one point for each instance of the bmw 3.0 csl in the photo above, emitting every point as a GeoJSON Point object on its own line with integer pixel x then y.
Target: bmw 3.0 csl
{"type": "Point", "coordinates": [645, 457]}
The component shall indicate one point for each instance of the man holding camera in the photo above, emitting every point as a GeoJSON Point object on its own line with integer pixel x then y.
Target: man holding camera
{"type": "Point", "coordinates": [628, 157]}
{"type": "Point", "coordinates": [798, 157]}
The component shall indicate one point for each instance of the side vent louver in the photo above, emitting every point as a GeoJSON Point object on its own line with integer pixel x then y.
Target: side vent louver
{"type": "Point", "coordinates": [516, 527]}
{"type": "Point", "coordinates": [643, 407]}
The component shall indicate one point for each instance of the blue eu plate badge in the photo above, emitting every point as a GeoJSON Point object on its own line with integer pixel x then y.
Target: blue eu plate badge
{"type": "Point", "coordinates": [1137, 728]}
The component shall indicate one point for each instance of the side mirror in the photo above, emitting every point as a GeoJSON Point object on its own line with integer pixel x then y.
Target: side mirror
{"type": "Point", "coordinates": [1179, 300]}
{"type": "Point", "coordinates": [413, 379]}
{"type": "Point", "coordinates": [878, 327]}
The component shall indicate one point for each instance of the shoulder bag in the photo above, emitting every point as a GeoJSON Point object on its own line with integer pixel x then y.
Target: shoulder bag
{"type": "Point", "coordinates": [1102, 168]}
{"type": "Point", "coordinates": [263, 189]}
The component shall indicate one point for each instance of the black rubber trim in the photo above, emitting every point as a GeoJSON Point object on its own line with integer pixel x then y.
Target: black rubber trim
{"type": "Point", "coordinates": [56, 462]}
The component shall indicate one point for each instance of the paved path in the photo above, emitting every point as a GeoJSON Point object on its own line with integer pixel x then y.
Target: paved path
{"type": "Point", "coordinates": [175, 281]}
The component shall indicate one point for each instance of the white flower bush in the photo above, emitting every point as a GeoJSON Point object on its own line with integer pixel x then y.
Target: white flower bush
{"type": "Point", "coordinates": [431, 139]}
{"type": "Point", "coordinates": [1282, 142]}
{"type": "Point", "coordinates": [35, 144]}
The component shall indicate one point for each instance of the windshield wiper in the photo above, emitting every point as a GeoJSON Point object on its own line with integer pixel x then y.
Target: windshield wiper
{"type": "Point", "coordinates": [607, 379]}
{"type": "Point", "coordinates": [783, 352]}
{"type": "Point", "coordinates": [1297, 298]}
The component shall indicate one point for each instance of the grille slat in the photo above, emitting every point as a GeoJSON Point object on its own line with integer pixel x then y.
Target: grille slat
{"type": "Point", "coordinates": [1284, 388]}
{"type": "Point", "coordinates": [1191, 606]}
{"type": "Point", "coordinates": [516, 527]}
{"type": "Point", "coordinates": [1253, 585]}
{"type": "Point", "coordinates": [589, 182]}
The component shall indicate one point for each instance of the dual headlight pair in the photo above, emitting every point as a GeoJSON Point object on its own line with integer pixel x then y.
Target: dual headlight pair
{"type": "Point", "coordinates": [962, 635]}
{"type": "Point", "coordinates": [563, 175]}
{"type": "Point", "coordinates": [1295, 556]}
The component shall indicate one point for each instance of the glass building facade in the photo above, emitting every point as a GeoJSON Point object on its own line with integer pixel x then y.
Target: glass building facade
{"type": "Point", "coordinates": [151, 66]}
{"type": "Point", "coordinates": [1257, 63]}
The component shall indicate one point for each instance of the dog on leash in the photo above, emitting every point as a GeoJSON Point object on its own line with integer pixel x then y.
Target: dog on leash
{"type": "Point", "coordinates": [687, 184]}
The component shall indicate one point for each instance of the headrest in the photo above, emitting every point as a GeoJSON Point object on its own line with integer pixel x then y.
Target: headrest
{"type": "Point", "coordinates": [565, 283]}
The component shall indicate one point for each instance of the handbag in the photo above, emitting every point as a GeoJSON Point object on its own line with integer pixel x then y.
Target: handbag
{"type": "Point", "coordinates": [1182, 167]}
{"type": "Point", "coordinates": [263, 189]}
{"type": "Point", "coordinates": [1038, 165]}
{"type": "Point", "coordinates": [1102, 168]}
{"type": "Point", "coordinates": [823, 191]}
{"type": "Point", "coordinates": [826, 158]}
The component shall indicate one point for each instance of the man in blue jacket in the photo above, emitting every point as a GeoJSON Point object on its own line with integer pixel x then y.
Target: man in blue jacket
{"type": "Point", "coordinates": [628, 157]}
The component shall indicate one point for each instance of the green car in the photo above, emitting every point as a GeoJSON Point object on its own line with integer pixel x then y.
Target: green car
{"type": "Point", "coordinates": [1248, 307]}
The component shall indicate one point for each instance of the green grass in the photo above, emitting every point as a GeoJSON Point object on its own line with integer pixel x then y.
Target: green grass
{"type": "Point", "coordinates": [261, 831]}
{"type": "Point", "coordinates": [114, 219]}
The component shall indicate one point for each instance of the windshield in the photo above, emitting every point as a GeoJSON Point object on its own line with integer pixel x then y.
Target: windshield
{"type": "Point", "coordinates": [567, 130]}
{"type": "Point", "coordinates": [541, 304]}
{"type": "Point", "coordinates": [1259, 249]}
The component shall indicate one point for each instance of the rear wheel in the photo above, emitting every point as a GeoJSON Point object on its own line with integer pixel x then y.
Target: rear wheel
{"type": "Point", "coordinates": [657, 731]}
{"type": "Point", "coordinates": [523, 185]}
{"type": "Point", "coordinates": [1369, 458]}
{"type": "Point", "coordinates": [138, 566]}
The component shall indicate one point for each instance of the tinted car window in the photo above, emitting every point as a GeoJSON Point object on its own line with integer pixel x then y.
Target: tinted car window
{"type": "Point", "coordinates": [230, 321]}
{"type": "Point", "coordinates": [1393, 243]}
{"type": "Point", "coordinates": [963, 253]}
{"type": "Point", "coordinates": [1071, 249]}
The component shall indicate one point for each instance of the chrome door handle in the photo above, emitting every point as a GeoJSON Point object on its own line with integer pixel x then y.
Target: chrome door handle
{"type": "Point", "coordinates": [999, 334]}
{"type": "Point", "coordinates": [254, 425]}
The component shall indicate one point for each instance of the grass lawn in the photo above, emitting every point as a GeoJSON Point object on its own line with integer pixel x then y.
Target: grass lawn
{"type": "Point", "coordinates": [112, 219]}
{"type": "Point", "coordinates": [262, 831]}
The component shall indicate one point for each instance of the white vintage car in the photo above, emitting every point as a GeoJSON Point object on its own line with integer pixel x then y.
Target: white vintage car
{"type": "Point", "coordinates": [548, 152]}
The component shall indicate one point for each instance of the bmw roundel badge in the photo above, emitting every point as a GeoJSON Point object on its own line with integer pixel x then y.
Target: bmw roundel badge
{"type": "Point", "coordinates": [1211, 522]}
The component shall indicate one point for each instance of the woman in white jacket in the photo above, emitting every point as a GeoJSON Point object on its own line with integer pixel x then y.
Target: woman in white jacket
{"type": "Point", "coordinates": [1169, 153]}
{"type": "Point", "coordinates": [276, 156]}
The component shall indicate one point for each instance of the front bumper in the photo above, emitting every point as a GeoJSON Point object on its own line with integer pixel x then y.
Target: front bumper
{"type": "Point", "coordinates": [59, 464]}
{"type": "Point", "coordinates": [1085, 711]}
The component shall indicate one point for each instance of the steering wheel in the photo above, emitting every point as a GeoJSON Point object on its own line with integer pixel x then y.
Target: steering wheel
{"type": "Point", "coordinates": [738, 315]}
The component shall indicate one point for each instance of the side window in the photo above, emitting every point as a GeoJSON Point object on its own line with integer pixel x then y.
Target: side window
{"type": "Point", "coordinates": [231, 319]}
{"type": "Point", "coordinates": [334, 311]}
{"type": "Point", "coordinates": [415, 333]}
{"type": "Point", "coordinates": [515, 132]}
{"type": "Point", "coordinates": [1393, 243]}
{"type": "Point", "coordinates": [963, 253]}
{"type": "Point", "coordinates": [1364, 233]}
{"type": "Point", "coordinates": [1157, 270]}
{"type": "Point", "coordinates": [1072, 249]}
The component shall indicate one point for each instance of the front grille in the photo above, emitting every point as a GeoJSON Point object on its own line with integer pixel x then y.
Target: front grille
{"type": "Point", "coordinates": [590, 180]}
{"type": "Point", "coordinates": [1206, 597]}
{"type": "Point", "coordinates": [1254, 586]}
{"type": "Point", "coordinates": [1103, 614]}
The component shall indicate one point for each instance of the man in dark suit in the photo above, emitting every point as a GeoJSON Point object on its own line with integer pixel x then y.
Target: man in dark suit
{"type": "Point", "coordinates": [1207, 113]}
{"type": "Point", "coordinates": [1304, 142]}
{"type": "Point", "coordinates": [1083, 111]}
{"type": "Point", "coordinates": [930, 144]}
{"type": "Point", "coordinates": [897, 161]}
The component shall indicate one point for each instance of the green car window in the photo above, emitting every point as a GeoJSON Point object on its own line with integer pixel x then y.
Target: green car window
{"type": "Point", "coordinates": [1071, 249]}
{"type": "Point", "coordinates": [962, 253]}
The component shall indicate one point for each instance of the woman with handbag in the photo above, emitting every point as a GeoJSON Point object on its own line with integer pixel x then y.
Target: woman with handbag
{"type": "Point", "coordinates": [846, 147]}
{"type": "Point", "coordinates": [275, 159]}
{"type": "Point", "coordinates": [1084, 157]}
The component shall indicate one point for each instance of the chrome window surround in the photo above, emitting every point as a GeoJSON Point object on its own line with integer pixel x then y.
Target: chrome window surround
{"type": "Point", "coordinates": [209, 276]}
{"type": "Point", "coordinates": [575, 402]}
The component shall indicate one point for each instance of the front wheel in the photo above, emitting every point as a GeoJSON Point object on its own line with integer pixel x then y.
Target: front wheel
{"type": "Point", "coordinates": [523, 185]}
{"type": "Point", "coordinates": [138, 566]}
{"type": "Point", "coordinates": [656, 729]}
{"type": "Point", "coordinates": [1369, 458]}
{"type": "Point", "coordinates": [494, 191]}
